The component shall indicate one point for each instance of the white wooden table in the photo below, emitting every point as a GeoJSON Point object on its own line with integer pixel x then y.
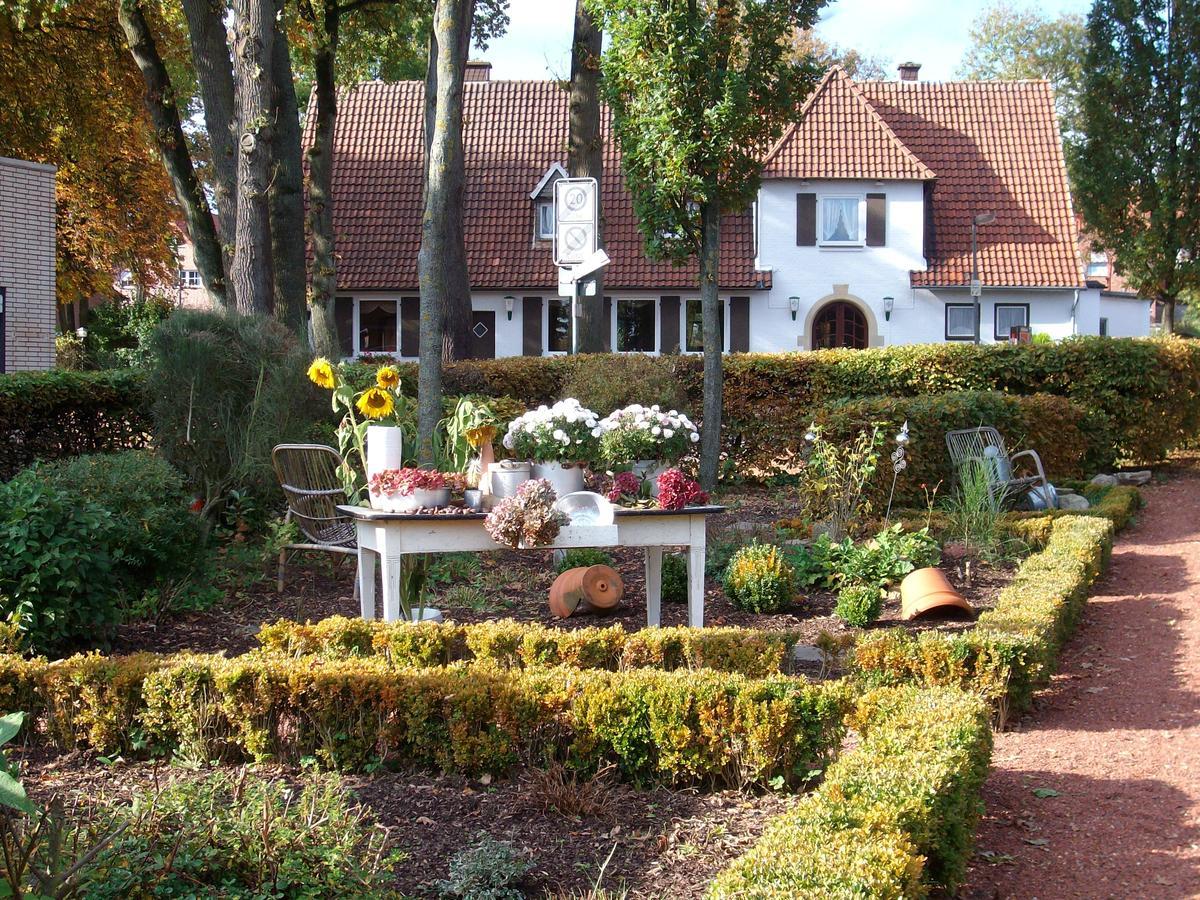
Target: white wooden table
{"type": "Point", "coordinates": [392, 535]}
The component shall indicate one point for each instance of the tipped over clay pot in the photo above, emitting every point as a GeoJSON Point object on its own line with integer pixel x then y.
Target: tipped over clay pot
{"type": "Point", "coordinates": [587, 588]}
{"type": "Point", "coordinates": [928, 592]}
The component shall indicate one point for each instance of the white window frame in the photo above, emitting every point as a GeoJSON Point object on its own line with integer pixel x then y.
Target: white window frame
{"type": "Point", "coordinates": [1098, 259]}
{"type": "Point", "coordinates": [683, 325]}
{"type": "Point", "coordinates": [861, 199]}
{"type": "Point", "coordinates": [612, 323]}
{"type": "Point", "coordinates": [540, 208]}
{"type": "Point", "coordinates": [357, 325]}
{"type": "Point", "coordinates": [546, 303]}
{"type": "Point", "coordinates": [189, 278]}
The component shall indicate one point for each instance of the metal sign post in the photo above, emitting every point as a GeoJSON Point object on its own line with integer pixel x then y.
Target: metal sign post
{"type": "Point", "coordinates": [576, 225]}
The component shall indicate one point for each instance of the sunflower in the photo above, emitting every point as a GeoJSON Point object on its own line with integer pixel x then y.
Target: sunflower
{"type": "Point", "coordinates": [321, 373]}
{"type": "Point", "coordinates": [387, 378]}
{"type": "Point", "coordinates": [375, 403]}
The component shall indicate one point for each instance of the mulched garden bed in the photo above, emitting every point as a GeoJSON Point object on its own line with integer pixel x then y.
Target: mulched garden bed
{"type": "Point", "coordinates": [508, 584]}
{"type": "Point", "coordinates": [663, 842]}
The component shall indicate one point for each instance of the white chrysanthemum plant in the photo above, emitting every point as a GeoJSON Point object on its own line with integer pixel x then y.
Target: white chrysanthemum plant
{"type": "Point", "coordinates": [642, 433]}
{"type": "Point", "coordinates": [567, 432]}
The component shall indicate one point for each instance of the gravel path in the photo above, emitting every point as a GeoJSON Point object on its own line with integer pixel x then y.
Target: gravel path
{"type": "Point", "coordinates": [1116, 735]}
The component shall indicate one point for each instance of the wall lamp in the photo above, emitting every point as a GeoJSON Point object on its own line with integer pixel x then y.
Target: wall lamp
{"type": "Point", "coordinates": [794, 306]}
{"type": "Point", "coordinates": [889, 303]}
{"type": "Point", "coordinates": [508, 306]}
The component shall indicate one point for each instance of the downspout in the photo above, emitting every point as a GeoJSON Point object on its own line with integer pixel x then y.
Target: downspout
{"type": "Point", "coordinates": [1074, 307]}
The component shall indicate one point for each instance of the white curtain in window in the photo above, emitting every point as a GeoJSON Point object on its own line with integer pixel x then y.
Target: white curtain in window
{"type": "Point", "coordinates": [839, 219]}
{"type": "Point", "coordinates": [960, 321]}
{"type": "Point", "coordinates": [1008, 318]}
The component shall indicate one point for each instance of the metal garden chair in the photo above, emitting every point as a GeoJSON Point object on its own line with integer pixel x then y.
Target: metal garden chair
{"type": "Point", "coordinates": [985, 447]}
{"type": "Point", "coordinates": [308, 474]}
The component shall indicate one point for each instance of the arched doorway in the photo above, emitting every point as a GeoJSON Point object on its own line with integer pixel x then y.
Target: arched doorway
{"type": "Point", "coordinates": [840, 324]}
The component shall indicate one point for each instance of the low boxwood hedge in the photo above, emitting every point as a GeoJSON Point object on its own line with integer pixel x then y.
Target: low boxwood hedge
{"type": "Point", "coordinates": [747, 651]}
{"type": "Point", "coordinates": [685, 726]}
{"type": "Point", "coordinates": [894, 817]}
{"type": "Point", "coordinates": [1014, 646]}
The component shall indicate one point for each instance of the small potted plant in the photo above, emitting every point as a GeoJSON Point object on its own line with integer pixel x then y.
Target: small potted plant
{"type": "Point", "coordinates": [560, 440]}
{"type": "Point", "coordinates": [646, 439]}
{"type": "Point", "coordinates": [408, 490]}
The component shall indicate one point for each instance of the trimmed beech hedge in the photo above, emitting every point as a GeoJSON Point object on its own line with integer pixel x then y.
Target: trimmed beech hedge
{"type": "Point", "coordinates": [48, 415]}
{"type": "Point", "coordinates": [686, 726]}
{"type": "Point", "coordinates": [894, 817]}
{"type": "Point", "coordinates": [511, 644]}
{"type": "Point", "coordinates": [1014, 646]}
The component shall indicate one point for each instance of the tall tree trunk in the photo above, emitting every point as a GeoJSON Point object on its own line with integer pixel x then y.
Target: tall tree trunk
{"type": "Point", "coordinates": [710, 304]}
{"type": "Point", "coordinates": [441, 263]}
{"type": "Point", "coordinates": [286, 192]}
{"type": "Point", "coordinates": [214, 75]}
{"type": "Point", "coordinates": [449, 47]}
{"type": "Point", "coordinates": [159, 99]}
{"type": "Point", "coordinates": [253, 23]}
{"type": "Point", "coordinates": [585, 157]}
{"type": "Point", "coordinates": [322, 325]}
{"type": "Point", "coordinates": [1168, 318]}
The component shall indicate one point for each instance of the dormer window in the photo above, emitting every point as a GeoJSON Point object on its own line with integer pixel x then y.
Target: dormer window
{"type": "Point", "coordinates": [545, 220]}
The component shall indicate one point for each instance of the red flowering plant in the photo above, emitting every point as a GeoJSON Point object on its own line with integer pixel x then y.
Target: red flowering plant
{"type": "Point", "coordinates": [626, 488]}
{"type": "Point", "coordinates": [404, 482]}
{"type": "Point", "coordinates": [676, 490]}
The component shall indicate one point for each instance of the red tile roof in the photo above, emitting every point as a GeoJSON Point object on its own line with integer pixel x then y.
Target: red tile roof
{"type": "Point", "coordinates": [513, 132]}
{"type": "Point", "coordinates": [995, 147]}
{"type": "Point", "coordinates": [839, 135]}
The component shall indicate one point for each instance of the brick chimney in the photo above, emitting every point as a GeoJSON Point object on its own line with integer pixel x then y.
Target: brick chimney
{"type": "Point", "coordinates": [909, 70]}
{"type": "Point", "coordinates": [478, 70]}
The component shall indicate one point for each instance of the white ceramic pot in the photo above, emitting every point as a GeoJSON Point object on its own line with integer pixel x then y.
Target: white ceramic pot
{"type": "Point", "coordinates": [649, 470]}
{"type": "Point", "coordinates": [565, 478]}
{"type": "Point", "coordinates": [385, 448]}
{"type": "Point", "coordinates": [430, 498]}
{"type": "Point", "coordinates": [394, 503]}
{"type": "Point", "coordinates": [426, 615]}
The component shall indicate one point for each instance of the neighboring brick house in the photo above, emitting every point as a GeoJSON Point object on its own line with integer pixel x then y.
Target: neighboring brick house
{"type": "Point", "coordinates": [27, 266]}
{"type": "Point", "coordinates": [1122, 310]}
{"type": "Point", "coordinates": [186, 289]}
{"type": "Point", "coordinates": [860, 236]}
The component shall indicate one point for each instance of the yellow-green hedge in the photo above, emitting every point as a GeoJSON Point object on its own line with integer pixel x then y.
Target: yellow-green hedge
{"type": "Point", "coordinates": [895, 815]}
{"type": "Point", "coordinates": [1014, 646]}
{"type": "Point", "coordinates": [685, 726]}
{"type": "Point", "coordinates": [747, 651]}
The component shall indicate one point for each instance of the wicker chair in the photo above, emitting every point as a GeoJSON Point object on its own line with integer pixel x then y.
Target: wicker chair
{"type": "Point", "coordinates": [310, 481]}
{"type": "Point", "coordinates": [985, 446]}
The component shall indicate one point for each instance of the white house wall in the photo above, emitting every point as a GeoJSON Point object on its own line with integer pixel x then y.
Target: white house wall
{"type": "Point", "coordinates": [1127, 316]}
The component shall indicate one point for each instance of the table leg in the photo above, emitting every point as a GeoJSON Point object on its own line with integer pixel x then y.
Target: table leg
{"type": "Point", "coordinates": [654, 586]}
{"type": "Point", "coordinates": [366, 581]}
{"type": "Point", "coordinates": [393, 571]}
{"type": "Point", "coordinates": [696, 573]}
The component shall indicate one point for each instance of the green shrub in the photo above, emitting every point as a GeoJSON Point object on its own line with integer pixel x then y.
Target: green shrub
{"type": "Point", "coordinates": [674, 578]}
{"type": "Point", "coordinates": [578, 557]}
{"type": "Point", "coordinates": [118, 331]}
{"type": "Point", "coordinates": [227, 389]}
{"type": "Point", "coordinates": [606, 383]}
{"type": "Point", "coordinates": [48, 415]}
{"type": "Point", "coordinates": [859, 604]}
{"type": "Point", "coordinates": [58, 577]}
{"type": "Point", "coordinates": [240, 837]}
{"type": "Point", "coordinates": [155, 538]}
{"type": "Point", "coordinates": [487, 870]}
{"type": "Point", "coordinates": [881, 561]}
{"type": "Point", "coordinates": [683, 726]}
{"type": "Point", "coordinates": [511, 644]}
{"type": "Point", "coordinates": [759, 579]}
{"type": "Point", "coordinates": [893, 818]}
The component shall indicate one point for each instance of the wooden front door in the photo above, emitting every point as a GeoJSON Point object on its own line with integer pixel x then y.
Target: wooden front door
{"type": "Point", "coordinates": [840, 324]}
{"type": "Point", "coordinates": [483, 335]}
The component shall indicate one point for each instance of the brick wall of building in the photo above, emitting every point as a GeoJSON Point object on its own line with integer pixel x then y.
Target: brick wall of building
{"type": "Point", "coordinates": [27, 264]}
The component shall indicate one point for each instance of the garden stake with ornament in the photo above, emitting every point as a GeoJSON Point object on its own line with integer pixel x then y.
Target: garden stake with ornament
{"type": "Point", "coordinates": [899, 464]}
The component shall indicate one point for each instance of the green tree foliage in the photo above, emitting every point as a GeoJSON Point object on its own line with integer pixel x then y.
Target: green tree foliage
{"type": "Point", "coordinates": [1137, 172]}
{"type": "Point", "coordinates": [1013, 42]}
{"type": "Point", "coordinates": [699, 90]}
{"type": "Point", "coordinates": [858, 65]}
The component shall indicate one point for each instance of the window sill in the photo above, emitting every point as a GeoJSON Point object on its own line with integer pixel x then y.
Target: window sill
{"type": "Point", "coordinates": [841, 246]}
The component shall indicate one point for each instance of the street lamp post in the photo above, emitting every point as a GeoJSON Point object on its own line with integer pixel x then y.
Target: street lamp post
{"type": "Point", "coordinates": [986, 218]}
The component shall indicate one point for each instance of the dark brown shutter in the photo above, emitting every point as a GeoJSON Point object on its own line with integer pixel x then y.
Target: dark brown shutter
{"type": "Point", "coordinates": [668, 327]}
{"type": "Point", "coordinates": [929, 243]}
{"type": "Point", "coordinates": [607, 326]}
{"type": "Point", "coordinates": [410, 326]}
{"type": "Point", "coordinates": [343, 320]}
{"type": "Point", "coordinates": [806, 220]}
{"type": "Point", "coordinates": [739, 324]}
{"type": "Point", "coordinates": [531, 326]}
{"type": "Point", "coordinates": [876, 220]}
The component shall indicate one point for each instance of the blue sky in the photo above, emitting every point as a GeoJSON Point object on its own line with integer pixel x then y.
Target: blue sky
{"type": "Point", "coordinates": [931, 32]}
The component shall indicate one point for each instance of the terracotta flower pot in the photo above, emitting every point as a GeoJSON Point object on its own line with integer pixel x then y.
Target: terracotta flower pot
{"type": "Point", "coordinates": [928, 591]}
{"type": "Point", "coordinates": [586, 588]}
